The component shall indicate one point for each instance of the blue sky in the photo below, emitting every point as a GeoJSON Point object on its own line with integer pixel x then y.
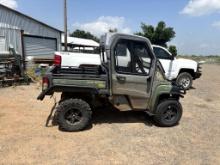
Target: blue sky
{"type": "Point", "coordinates": [196, 22]}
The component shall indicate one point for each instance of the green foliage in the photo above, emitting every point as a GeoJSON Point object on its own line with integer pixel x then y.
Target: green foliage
{"type": "Point", "coordinates": [208, 59]}
{"type": "Point", "coordinates": [32, 75]}
{"type": "Point", "coordinates": [83, 34]}
{"type": "Point", "coordinates": [31, 72]}
{"type": "Point", "coordinates": [158, 35]}
{"type": "Point", "coordinates": [173, 50]}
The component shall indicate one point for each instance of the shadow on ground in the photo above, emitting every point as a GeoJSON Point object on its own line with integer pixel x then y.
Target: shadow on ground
{"type": "Point", "coordinates": [111, 115]}
{"type": "Point", "coordinates": [108, 116]}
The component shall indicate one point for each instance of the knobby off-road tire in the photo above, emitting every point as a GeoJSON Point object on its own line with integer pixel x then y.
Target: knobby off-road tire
{"type": "Point", "coordinates": [185, 80]}
{"type": "Point", "coordinates": [168, 113]}
{"type": "Point", "coordinates": [73, 115]}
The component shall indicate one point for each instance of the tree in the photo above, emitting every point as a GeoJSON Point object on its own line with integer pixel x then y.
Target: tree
{"type": "Point", "coordinates": [83, 34]}
{"type": "Point", "coordinates": [158, 35]}
{"type": "Point", "coordinates": [173, 50]}
{"type": "Point", "coordinates": [115, 30]}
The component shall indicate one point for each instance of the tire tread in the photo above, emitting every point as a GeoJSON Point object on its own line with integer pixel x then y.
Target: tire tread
{"type": "Point", "coordinates": [78, 103]}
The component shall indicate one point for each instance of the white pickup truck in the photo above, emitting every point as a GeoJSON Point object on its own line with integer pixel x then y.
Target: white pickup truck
{"type": "Point", "coordinates": [183, 71]}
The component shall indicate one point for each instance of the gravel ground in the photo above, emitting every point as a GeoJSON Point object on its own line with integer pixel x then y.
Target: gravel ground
{"type": "Point", "coordinates": [115, 137]}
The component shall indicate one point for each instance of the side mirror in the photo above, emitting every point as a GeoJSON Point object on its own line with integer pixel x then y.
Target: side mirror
{"type": "Point", "coordinates": [173, 56]}
{"type": "Point", "coordinates": [172, 49]}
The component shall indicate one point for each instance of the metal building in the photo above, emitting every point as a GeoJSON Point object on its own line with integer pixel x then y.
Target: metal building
{"type": "Point", "coordinates": [30, 37]}
{"type": "Point", "coordinates": [80, 45]}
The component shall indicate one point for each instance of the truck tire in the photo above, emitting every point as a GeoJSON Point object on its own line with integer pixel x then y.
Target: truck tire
{"type": "Point", "coordinates": [73, 115]}
{"type": "Point", "coordinates": [185, 80]}
{"type": "Point", "coordinates": [168, 113]}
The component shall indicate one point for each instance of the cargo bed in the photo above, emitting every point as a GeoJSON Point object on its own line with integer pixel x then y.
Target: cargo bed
{"type": "Point", "coordinates": [75, 79]}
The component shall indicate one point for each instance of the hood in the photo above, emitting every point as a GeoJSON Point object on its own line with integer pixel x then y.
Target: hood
{"type": "Point", "coordinates": [182, 60]}
{"type": "Point", "coordinates": [186, 63]}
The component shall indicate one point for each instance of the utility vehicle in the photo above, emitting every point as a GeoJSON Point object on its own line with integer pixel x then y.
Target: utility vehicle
{"type": "Point", "coordinates": [180, 70]}
{"type": "Point", "coordinates": [140, 85]}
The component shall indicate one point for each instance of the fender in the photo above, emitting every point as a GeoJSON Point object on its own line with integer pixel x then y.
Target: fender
{"type": "Point", "coordinates": [172, 91]}
{"type": "Point", "coordinates": [53, 89]}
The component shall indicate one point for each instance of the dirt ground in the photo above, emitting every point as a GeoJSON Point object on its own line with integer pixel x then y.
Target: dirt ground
{"type": "Point", "coordinates": [115, 137]}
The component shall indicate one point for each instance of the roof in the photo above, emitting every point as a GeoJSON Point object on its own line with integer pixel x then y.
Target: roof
{"type": "Point", "coordinates": [80, 42]}
{"type": "Point", "coordinates": [24, 15]}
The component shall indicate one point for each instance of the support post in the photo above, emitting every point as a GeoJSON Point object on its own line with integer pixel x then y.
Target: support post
{"type": "Point", "coordinates": [65, 24]}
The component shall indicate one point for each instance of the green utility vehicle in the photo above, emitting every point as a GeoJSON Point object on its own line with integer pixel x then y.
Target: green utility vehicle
{"type": "Point", "coordinates": [129, 78]}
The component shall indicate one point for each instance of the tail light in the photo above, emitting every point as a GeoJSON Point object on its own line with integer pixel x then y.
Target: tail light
{"type": "Point", "coordinates": [57, 60]}
{"type": "Point", "coordinates": [45, 83]}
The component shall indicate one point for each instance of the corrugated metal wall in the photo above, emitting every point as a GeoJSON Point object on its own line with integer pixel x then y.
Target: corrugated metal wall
{"type": "Point", "coordinates": [2, 42]}
{"type": "Point", "coordinates": [11, 24]}
{"type": "Point", "coordinates": [40, 47]}
{"type": "Point", "coordinates": [12, 37]}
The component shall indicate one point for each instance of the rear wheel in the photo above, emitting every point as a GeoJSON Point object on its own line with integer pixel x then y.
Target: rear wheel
{"type": "Point", "coordinates": [73, 115]}
{"type": "Point", "coordinates": [185, 80]}
{"type": "Point", "coordinates": [168, 113]}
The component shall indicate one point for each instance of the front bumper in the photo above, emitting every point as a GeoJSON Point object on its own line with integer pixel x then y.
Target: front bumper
{"type": "Point", "coordinates": [177, 90]}
{"type": "Point", "coordinates": [198, 73]}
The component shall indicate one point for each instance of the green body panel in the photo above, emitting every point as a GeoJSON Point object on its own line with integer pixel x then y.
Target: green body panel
{"type": "Point", "coordinates": [159, 89]}
{"type": "Point", "coordinates": [160, 86]}
{"type": "Point", "coordinates": [80, 83]}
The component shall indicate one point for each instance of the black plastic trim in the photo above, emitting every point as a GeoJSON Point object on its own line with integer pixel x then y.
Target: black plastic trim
{"type": "Point", "coordinates": [197, 75]}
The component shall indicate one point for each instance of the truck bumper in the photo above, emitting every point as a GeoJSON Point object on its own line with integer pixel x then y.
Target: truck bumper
{"type": "Point", "coordinates": [197, 75]}
{"type": "Point", "coordinates": [41, 96]}
{"type": "Point", "coordinates": [44, 93]}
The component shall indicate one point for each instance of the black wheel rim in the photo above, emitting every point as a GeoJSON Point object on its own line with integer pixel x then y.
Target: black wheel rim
{"type": "Point", "coordinates": [170, 114]}
{"type": "Point", "coordinates": [73, 116]}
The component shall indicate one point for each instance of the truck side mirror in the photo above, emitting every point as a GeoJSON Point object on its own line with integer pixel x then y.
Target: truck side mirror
{"type": "Point", "coordinates": [173, 51]}
{"type": "Point", "coordinates": [173, 56]}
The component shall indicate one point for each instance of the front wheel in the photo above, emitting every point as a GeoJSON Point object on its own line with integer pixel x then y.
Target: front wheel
{"type": "Point", "coordinates": [168, 113]}
{"type": "Point", "coordinates": [185, 80]}
{"type": "Point", "coordinates": [73, 115]}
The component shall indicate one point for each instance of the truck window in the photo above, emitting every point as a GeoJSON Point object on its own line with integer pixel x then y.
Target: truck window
{"type": "Point", "coordinates": [123, 57]}
{"type": "Point", "coordinates": [141, 51]}
{"type": "Point", "coordinates": [132, 57]}
{"type": "Point", "coordinates": [161, 54]}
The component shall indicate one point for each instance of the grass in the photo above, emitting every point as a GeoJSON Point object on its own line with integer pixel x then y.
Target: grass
{"type": "Point", "coordinates": [207, 59]}
{"type": "Point", "coordinates": [31, 72]}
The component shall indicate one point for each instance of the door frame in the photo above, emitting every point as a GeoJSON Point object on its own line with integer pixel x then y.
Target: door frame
{"type": "Point", "coordinates": [150, 77]}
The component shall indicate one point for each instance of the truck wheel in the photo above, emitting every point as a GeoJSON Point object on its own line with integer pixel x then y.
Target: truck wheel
{"type": "Point", "coordinates": [185, 80]}
{"type": "Point", "coordinates": [73, 115]}
{"type": "Point", "coordinates": [168, 113]}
